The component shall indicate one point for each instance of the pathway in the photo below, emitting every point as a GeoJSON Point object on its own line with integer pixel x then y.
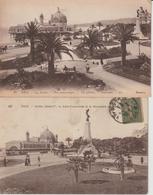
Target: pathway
{"type": "Point", "coordinates": [46, 161]}
{"type": "Point", "coordinates": [15, 52]}
{"type": "Point", "coordinates": [117, 83]}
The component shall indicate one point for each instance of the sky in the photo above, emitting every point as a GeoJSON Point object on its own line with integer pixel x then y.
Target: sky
{"type": "Point", "coordinates": [61, 119]}
{"type": "Point", "coordinates": [14, 12]}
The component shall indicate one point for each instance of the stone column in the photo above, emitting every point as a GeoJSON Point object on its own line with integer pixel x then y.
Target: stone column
{"type": "Point", "coordinates": [87, 132]}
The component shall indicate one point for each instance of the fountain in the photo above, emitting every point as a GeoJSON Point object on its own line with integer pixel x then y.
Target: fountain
{"type": "Point", "coordinates": [116, 169]}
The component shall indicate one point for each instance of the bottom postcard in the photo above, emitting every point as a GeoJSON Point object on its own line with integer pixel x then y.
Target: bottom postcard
{"type": "Point", "coordinates": [74, 146]}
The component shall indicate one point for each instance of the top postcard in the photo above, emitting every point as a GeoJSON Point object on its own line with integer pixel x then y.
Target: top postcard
{"type": "Point", "coordinates": [69, 48]}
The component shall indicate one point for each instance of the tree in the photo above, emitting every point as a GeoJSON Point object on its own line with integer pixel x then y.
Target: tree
{"type": "Point", "coordinates": [99, 24]}
{"type": "Point", "coordinates": [124, 33]}
{"type": "Point", "coordinates": [76, 164]}
{"type": "Point", "coordinates": [21, 38]}
{"type": "Point", "coordinates": [51, 44]}
{"type": "Point", "coordinates": [89, 158]}
{"type": "Point", "coordinates": [91, 41]}
{"type": "Point", "coordinates": [77, 143]}
{"type": "Point", "coordinates": [68, 139]}
{"type": "Point", "coordinates": [32, 30]}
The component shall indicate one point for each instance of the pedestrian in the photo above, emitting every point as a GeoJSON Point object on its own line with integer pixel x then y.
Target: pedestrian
{"type": "Point", "coordinates": [87, 68]}
{"type": "Point", "coordinates": [28, 160]}
{"type": "Point", "coordinates": [74, 68]}
{"type": "Point", "coordinates": [129, 163]}
{"type": "Point", "coordinates": [5, 161]}
{"type": "Point", "coordinates": [121, 167]}
{"type": "Point", "coordinates": [65, 69]}
{"type": "Point", "coordinates": [142, 160]}
{"type": "Point", "coordinates": [39, 161]}
{"type": "Point", "coordinates": [101, 60]}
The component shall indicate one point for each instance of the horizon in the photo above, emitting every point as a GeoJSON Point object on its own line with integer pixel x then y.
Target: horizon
{"type": "Point", "coordinates": [13, 12]}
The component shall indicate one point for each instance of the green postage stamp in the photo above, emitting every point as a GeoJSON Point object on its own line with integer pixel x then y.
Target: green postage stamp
{"type": "Point", "coordinates": [126, 110]}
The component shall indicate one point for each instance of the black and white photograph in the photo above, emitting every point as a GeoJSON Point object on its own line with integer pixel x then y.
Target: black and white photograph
{"type": "Point", "coordinates": [71, 48]}
{"type": "Point", "coordinates": [74, 146]}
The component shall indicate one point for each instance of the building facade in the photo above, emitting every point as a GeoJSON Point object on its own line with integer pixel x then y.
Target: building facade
{"type": "Point", "coordinates": [42, 143]}
{"type": "Point", "coordinates": [57, 23]}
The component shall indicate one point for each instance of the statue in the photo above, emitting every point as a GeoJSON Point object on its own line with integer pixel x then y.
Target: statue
{"type": "Point", "coordinates": [87, 114]}
{"type": "Point", "coordinates": [138, 13]}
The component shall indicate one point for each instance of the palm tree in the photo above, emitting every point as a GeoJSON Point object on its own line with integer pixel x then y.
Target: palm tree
{"type": "Point", "coordinates": [91, 41]}
{"type": "Point", "coordinates": [32, 30]}
{"type": "Point", "coordinates": [76, 164]}
{"type": "Point", "coordinates": [99, 24]}
{"type": "Point", "coordinates": [68, 139]}
{"type": "Point", "coordinates": [124, 33]}
{"type": "Point", "coordinates": [51, 45]}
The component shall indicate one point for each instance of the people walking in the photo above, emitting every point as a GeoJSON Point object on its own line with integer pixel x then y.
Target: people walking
{"type": "Point", "coordinates": [121, 167]}
{"type": "Point", "coordinates": [5, 161]}
{"type": "Point", "coordinates": [27, 160]}
{"type": "Point", "coordinates": [39, 161]}
{"type": "Point", "coordinates": [142, 160]}
{"type": "Point", "coordinates": [129, 163]}
{"type": "Point", "coordinates": [87, 68]}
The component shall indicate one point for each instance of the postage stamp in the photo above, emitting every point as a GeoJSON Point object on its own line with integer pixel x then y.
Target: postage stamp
{"type": "Point", "coordinates": [126, 110]}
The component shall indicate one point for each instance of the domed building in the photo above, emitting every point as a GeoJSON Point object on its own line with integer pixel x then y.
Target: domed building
{"type": "Point", "coordinates": [58, 17]}
{"type": "Point", "coordinates": [44, 142]}
{"type": "Point", "coordinates": [47, 136]}
{"type": "Point", "coordinates": [57, 23]}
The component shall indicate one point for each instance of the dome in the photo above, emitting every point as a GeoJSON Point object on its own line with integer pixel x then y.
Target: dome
{"type": "Point", "coordinates": [58, 17]}
{"type": "Point", "coordinates": [47, 136]}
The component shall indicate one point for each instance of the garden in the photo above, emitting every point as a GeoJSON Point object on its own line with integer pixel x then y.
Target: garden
{"type": "Point", "coordinates": [135, 69]}
{"type": "Point", "coordinates": [58, 180]}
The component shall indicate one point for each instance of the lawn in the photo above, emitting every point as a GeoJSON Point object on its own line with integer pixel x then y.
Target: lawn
{"type": "Point", "coordinates": [56, 180]}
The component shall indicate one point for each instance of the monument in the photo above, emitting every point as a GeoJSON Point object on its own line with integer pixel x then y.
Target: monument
{"type": "Point", "coordinates": [87, 131]}
{"type": "Point", "coordinates": [87, 139]}
{"type": "Point", "coordinates": [143, 17]}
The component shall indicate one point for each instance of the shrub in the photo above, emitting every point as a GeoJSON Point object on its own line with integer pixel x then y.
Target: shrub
{"type": "Point", "coordinates": [146, 68]}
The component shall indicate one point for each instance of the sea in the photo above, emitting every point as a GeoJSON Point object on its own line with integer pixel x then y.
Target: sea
{"type": "Point", "coordinates": [5, 37]}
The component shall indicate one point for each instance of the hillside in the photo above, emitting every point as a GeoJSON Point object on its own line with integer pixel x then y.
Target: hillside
{"type": "Point", "coordinates": [108, 22]}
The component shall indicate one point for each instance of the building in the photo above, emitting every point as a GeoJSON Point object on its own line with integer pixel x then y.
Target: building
{"type": "Point", "coordinates": [43, 143]}
{"type": "Point", "coordinates": [141, 132]}
{"type": "Point", "coordinates": [57, 23]}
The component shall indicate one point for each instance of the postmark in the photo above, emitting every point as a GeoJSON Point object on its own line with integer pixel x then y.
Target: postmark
{"type": "Point", "coordinates": [126, 110]}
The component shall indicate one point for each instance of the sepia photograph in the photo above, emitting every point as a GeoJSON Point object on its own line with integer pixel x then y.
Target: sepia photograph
{"type": "Point", "coordinates": [68, 48]}
{"type": "Point", "coordinates": [74, 146]}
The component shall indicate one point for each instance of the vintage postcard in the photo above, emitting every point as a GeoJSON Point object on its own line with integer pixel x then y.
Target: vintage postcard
{"type": "Point", "coordinates": [74, 146]}
{"type": "Point", "coordinates": [69, 48]}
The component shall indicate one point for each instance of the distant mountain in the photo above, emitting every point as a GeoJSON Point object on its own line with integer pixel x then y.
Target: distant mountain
{"type": "Point", "coordinates": [109, 22]}
{"type": "Point", "coordinates": [4, 35]}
